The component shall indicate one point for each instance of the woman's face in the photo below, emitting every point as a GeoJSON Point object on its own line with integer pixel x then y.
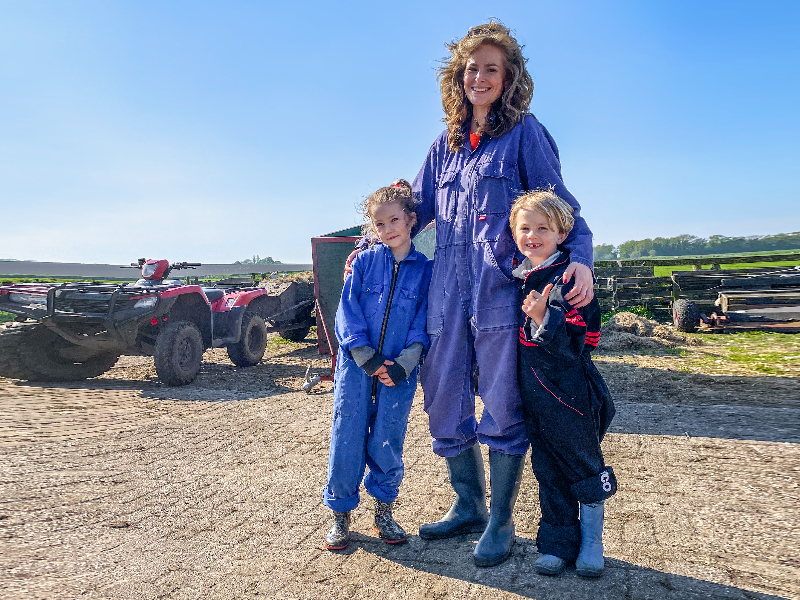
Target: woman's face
{"type": "Point", "coordinates": [484, 75]}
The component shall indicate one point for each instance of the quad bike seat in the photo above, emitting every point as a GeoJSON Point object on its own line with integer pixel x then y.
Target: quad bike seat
{"type": "Point", "coordinates": [213, 294]}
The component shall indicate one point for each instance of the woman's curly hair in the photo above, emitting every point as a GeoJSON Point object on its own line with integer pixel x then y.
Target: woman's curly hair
{"type": "Point", "coordinates": [507, 110]}
{"type": "Point", "coordinates": [400, 192]}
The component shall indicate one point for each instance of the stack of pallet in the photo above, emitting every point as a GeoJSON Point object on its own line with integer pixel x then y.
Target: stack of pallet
{"type": "Point", "coordinates": [774, 295]}
{"type": "Point", "coordinates": [623, 287]}
{"type": "Point", "coordinates": [757, 297]}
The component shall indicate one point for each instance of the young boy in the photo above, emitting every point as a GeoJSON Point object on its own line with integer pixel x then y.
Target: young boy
{"type": "Point", "coordinates": [566, 403]}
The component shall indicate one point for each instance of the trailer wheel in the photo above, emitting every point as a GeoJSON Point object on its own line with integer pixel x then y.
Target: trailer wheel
{"type": "Point", "coordinates": [295, 335]}
{"type": "Point", "coordinates": [249, 350]}
{"type": "Point", "coordinates": [35, 353]}
{"type": "Point", "coordinates": [302, 323]}
{"type": "Point", "coordinates": [685, 315]}
{"type": "Point", "coordinates": [178, 353]}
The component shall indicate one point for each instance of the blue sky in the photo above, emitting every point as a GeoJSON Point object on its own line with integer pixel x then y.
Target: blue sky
{"type": "Point", "coordinates": [212, 131]}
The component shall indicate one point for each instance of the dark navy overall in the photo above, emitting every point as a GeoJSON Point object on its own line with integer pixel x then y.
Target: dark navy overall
{"type": "Point", "coordinates": [567, 409]}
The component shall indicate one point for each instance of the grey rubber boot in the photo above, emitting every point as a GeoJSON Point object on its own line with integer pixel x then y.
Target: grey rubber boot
{"type": "Point", "coordinates": [468, 513]}
{"type": "Point", "coordinates": [385, 526]}
{"type": "Point", "coordinates": [505, 473]}
{"type": "Point", "coordinates": [590, 562]}
{"type": "Point", "coordinates": [548, 564]}
{"type": "Point", "coordinates": [339, 535]}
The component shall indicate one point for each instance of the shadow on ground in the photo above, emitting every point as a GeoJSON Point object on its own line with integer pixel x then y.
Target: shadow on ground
{"type": "Point", "coordinates": [663, 402]}
{"type": "Point", "coordinates": [215, 383]}
{"type": "Point", "coordinates": [621, 580]}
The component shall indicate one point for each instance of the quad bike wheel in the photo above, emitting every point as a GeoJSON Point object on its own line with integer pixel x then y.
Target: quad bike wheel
{"type": "Point", "coordinates": [178, 353]}
{"type": "Point", "coordinates": [685, 315]}
{"type": "Point", "coordinates": [249, 350]}
{"type": "Point", "coordinates": [32, 351]}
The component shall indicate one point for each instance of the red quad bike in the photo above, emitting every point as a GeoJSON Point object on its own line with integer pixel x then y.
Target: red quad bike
{"type": "Point", "coordinates": [80, 329]}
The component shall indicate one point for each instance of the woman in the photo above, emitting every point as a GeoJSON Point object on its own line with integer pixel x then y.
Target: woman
{"type": "Point", "coordinates": [491, 151]}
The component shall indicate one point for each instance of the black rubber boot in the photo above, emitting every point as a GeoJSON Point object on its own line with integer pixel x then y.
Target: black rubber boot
{"type": "Point", "coordinates": [385, 526]}
{"type": "Point", "coordinates": [339, 535]}
{"type": "Point", "coordinates": [505, 473]}
{"type": "Point", "coordinates": [468, 513]}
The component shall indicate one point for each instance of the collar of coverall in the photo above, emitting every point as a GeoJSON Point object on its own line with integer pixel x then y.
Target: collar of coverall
{"type": "Point", "coordinates": [525, 269]}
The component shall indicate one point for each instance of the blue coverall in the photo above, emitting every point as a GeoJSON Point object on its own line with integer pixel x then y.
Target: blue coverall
{"type": "Point", "coordinates": [472, 301]}
{"type": "Point", "coordinates": [366, 431]}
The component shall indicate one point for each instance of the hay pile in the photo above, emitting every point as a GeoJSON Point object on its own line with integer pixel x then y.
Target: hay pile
{"type": "Point", "coordinates": [303, 279]}
{"type": "Point", "coordinates": [627, 331]}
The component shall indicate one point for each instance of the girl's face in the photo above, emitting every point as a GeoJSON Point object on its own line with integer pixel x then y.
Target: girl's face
{"type": "Point", "coordinates": [536, 238]}
{"type": "Point", "coordinates": [484, 75]}
{"type": "Point", "coordinates": [393, 226]}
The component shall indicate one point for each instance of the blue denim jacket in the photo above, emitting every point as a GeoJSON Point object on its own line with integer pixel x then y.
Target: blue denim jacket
{"type": "Point", "coordinates": [469, 193]}
{"type": "Point", "coordinates": [365, 296]}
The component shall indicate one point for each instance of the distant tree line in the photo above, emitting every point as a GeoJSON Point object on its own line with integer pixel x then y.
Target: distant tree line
{"type": "Point", "coordinates": [257, 260]}
{"type": "Point", "coordinates": [689, 244]}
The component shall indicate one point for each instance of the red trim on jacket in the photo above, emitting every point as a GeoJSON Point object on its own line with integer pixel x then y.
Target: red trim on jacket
{"type": "Point", "coordinates": [563, 262]}
{"type": "Point", "coordinates": [523, 340]}
{"type": "Point", "coordinates": [592, 338]}
{"type": "Point", "coordinates": [554, 396]}
{"type": "Point", "coordinates": [575, 318]}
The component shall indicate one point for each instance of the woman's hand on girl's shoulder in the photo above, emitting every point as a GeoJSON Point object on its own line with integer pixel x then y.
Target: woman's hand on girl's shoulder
{"type": "Point", "coordinates": [348, 264]}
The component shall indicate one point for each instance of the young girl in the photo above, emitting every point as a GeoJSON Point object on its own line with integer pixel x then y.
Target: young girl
{"type": "Point", "coordinates": [380, 325]}
{"type": "Point", "coordinates": [566, 404]}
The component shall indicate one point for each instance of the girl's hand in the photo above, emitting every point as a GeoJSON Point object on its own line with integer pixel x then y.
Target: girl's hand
{"type": "Point", "coordinates": [348, 265]}
{"type": "Point", "coordinates": [383, 375]}
{"type": "Point", "coordinates": [583, 290]}
{"type": "Point", "coordinates": [535, 304]}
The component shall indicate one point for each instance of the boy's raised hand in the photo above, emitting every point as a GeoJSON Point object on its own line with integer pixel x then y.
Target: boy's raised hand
{"type": "Point", "coordinates": [535, 304]}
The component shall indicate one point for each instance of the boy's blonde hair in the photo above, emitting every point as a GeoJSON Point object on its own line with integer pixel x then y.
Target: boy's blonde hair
{"type": "Point", "coordinates": [557, 211]}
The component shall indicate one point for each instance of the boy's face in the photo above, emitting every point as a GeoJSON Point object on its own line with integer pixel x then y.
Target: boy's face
{"type": "Point", "coordinates": [536, 238]}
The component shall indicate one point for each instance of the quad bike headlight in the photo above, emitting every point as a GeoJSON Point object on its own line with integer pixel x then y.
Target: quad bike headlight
{"type": "Point", "coordinates": [27, 298]}
{"type": "Point", "coordinates": [149, 269]}
{"type": "Point", "coordinates": [148, 302]}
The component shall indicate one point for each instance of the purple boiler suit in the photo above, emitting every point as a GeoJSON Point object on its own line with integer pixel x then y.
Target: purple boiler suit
{"type": "Point", "coordinates": [473, 302]}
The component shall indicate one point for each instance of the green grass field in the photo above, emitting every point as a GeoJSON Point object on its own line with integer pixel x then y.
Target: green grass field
{"type": "Point", "coordinates": [665, 271]}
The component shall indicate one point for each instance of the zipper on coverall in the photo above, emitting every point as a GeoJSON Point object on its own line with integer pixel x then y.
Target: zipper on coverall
{"type": "Point", "coordinates": [395, 270]}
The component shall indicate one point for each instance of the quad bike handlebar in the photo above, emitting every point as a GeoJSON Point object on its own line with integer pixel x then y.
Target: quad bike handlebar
{"type": "Point", "coordinates": [159, 269]}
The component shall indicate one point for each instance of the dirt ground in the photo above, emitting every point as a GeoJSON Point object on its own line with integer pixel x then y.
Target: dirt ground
{"type": "Point", "coordinates": [119, 487]}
